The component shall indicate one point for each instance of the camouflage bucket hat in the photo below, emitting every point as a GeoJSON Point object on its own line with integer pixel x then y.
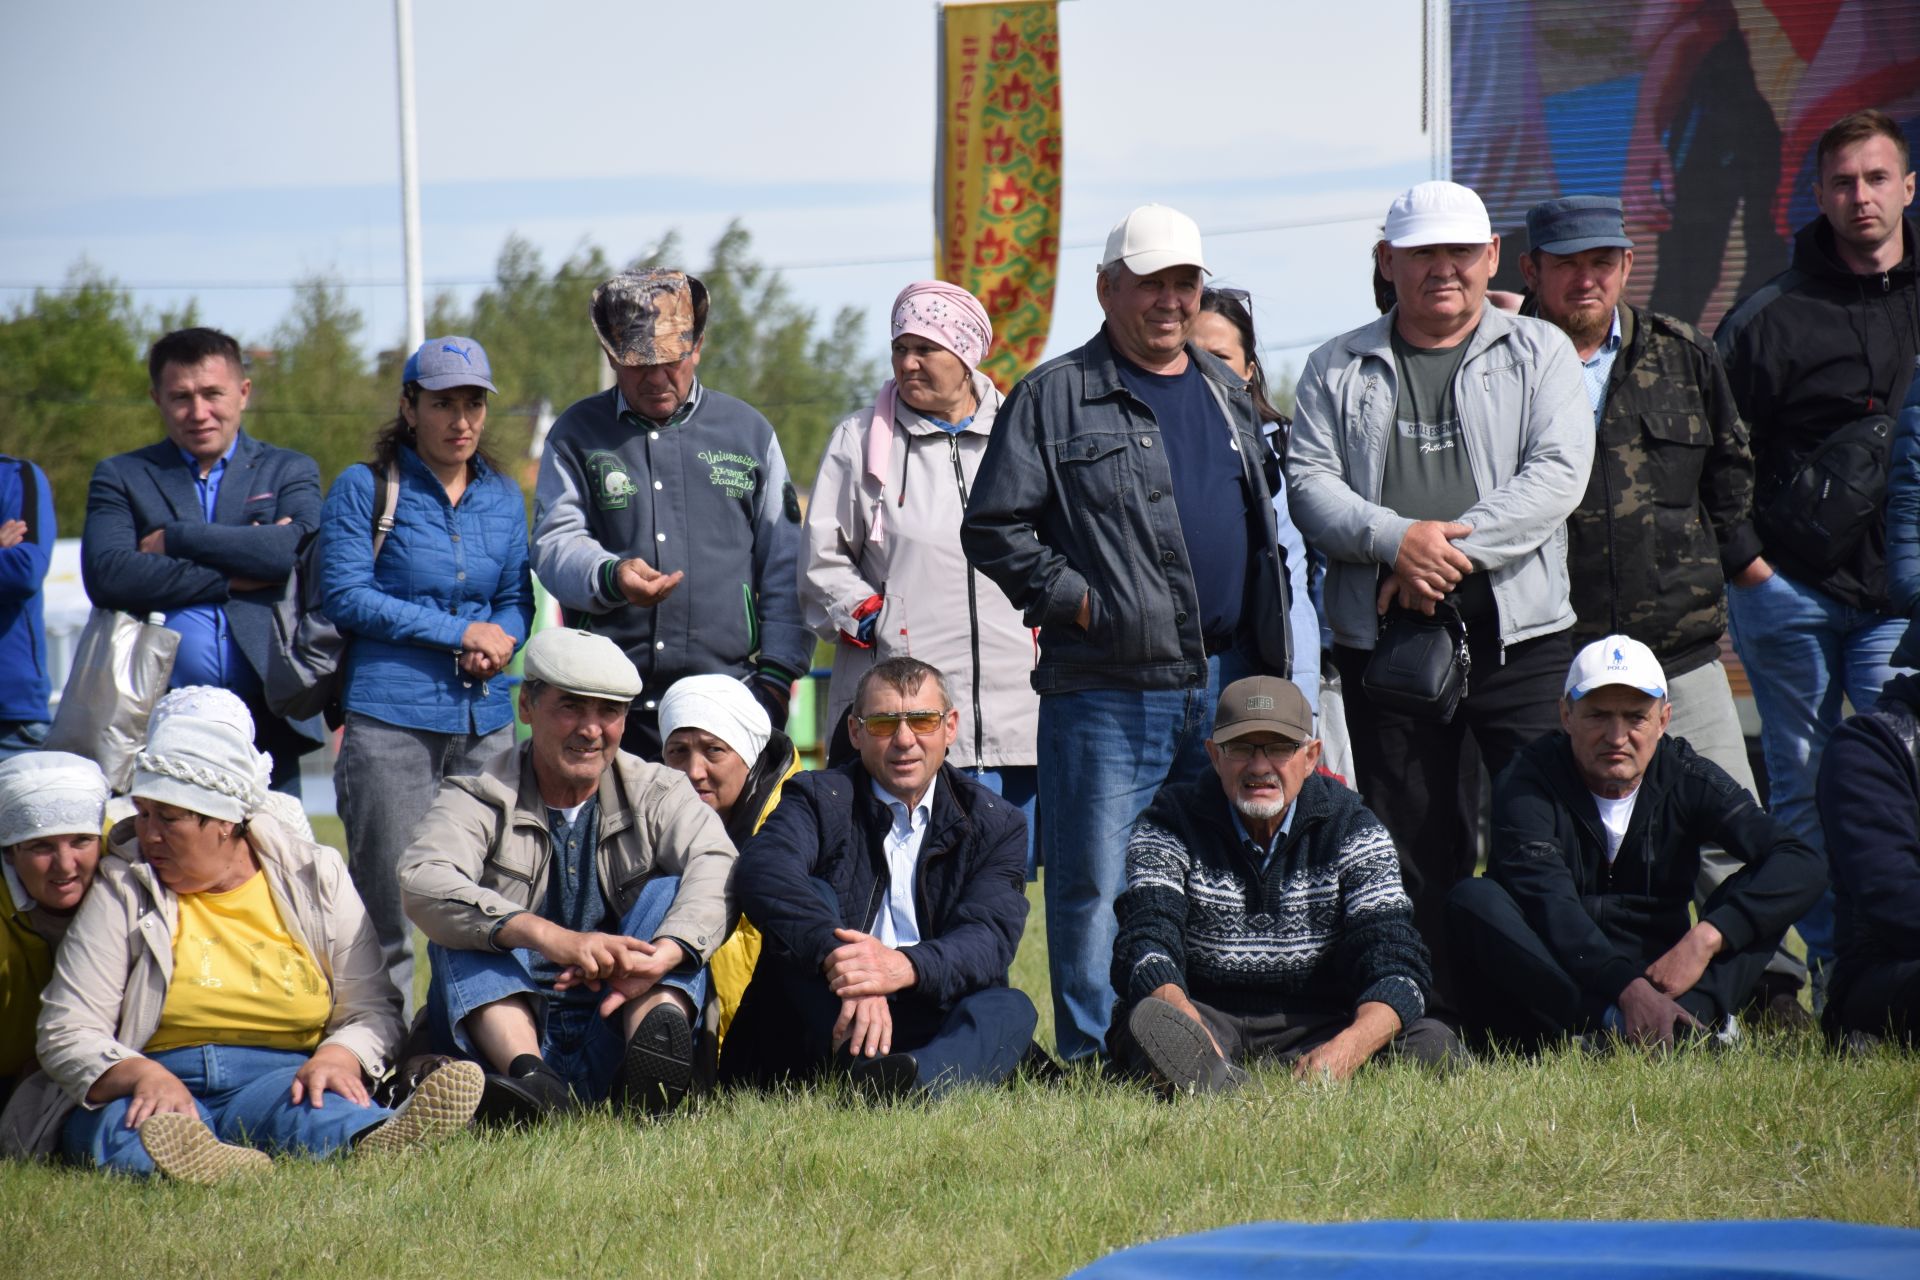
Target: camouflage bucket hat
{"type": "Point", "coordinates": [649, 317]}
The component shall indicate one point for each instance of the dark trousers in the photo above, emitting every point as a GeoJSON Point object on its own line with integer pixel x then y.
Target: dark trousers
{"type": "Point", "coordinates": [1515, 989]}
{"type": "Point", "coordinates": [1412, 776]}
{"type": "Point", "coordinates": [1880, 999]}
{"type": "Point", "coordinates": [1290, 1032]}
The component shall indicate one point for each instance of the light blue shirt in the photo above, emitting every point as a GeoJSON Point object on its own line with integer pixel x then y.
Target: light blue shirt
{"type": "Point", "coordinates": [208, 653]}
{"type": "Point", "coordinates": [1263, 856]}
{"type": "Point", "coordinates": [896, 924]}
{"type": "Point", "coordinates": [1598, 369]}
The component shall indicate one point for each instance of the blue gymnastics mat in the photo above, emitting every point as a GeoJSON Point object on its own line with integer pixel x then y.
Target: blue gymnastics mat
{"type": "Point", "coordinates": [1581, 1250]}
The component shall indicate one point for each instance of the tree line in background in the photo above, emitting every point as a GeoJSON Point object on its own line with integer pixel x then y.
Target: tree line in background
{"type": "Point", "coordinates": [73, 379]}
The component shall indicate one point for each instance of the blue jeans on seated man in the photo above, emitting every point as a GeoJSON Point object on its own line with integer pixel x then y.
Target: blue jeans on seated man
{"type": "Point", "coordinates": [244, 1094]}
{"type": "Point", "coordinates": [784, 1028]}
{"type": "Point", "coordinates": [1104, 753]}
{"type": "Point", "coordinates": [575, 1040]}
{"type": "Point", "coordinates": [1802, 650]}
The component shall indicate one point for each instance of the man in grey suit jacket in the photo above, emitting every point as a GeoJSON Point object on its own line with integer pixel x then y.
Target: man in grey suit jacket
{"type": "Point", "coordinates": [204, 527]}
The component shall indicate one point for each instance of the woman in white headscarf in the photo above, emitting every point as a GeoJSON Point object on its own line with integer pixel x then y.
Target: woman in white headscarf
{"type": "Point", "coordinates": [221, 993]}
{"type": "Point", "coordinates": [51, 808]}
{"type": "Point", "coordinates": [884, 575]}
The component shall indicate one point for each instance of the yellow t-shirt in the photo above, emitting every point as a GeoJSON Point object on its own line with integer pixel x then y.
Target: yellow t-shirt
{"type": "Point", "coordinates": [239, 977]}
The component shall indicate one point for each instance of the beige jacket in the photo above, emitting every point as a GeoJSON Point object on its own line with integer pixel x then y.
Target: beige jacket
{"type": "Point", "coordinates": [111, 976]}
{"type": "Point", "coordinates": [863, 541]}
{"type": "Point", "coordinates": [481, 854]}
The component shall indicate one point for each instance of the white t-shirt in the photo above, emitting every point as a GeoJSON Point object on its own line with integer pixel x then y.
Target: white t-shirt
{"type": "Point", "coordinates": [1614, 817]}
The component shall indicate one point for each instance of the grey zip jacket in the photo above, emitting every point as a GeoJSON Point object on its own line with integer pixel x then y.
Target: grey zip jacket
{"type": "Point", "coordinates": [1529, 436]}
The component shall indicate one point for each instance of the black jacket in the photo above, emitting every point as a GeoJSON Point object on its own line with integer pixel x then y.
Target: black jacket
{"type": "Point", "coordinates": [1869, 795]}
{"type": "Point", "coordinates": [1075, 498]}
{"type": "Point", "coordinates": [1606, 924]}
{"type": "Point", "coordinates": [970, 893]}
{"type": "Point", "coordinates": [1668, 513]}
{"type": "Point", "coordinates": [1814, 349]}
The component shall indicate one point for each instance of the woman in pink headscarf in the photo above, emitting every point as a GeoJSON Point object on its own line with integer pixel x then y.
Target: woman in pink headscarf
{"type": "Point", "coordinates": [885, 575]}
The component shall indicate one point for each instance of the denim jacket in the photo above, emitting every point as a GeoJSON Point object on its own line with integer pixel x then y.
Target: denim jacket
{"type": "Point", "coordinates": [1075, 499]}
{"type": "Point", "coordinates": [443, 567]}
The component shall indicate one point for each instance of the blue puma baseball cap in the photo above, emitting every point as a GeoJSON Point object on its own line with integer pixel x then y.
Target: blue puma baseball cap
{"type": "Point", "coordinates": [449, 362]}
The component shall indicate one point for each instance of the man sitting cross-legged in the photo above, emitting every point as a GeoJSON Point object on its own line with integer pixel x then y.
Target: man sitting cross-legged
{"type": "Point", "coordinates": [890, 893]}
{"type": "Point", "coordinates": [1263, 916]}
{"type": "Point", "coordinates": [1581, 923]}
{"type": "Point", "coordinates": [572, 894]}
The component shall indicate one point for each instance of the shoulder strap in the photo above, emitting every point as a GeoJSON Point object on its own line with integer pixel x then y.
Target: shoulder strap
{"type": "Point", "coordinates": [386, 487]}
{"type": "Point", "coordinates": [30, 501]}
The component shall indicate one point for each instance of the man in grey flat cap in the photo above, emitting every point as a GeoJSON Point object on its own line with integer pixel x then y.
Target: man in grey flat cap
{"type": "Point", "coordinates": [664, 513]}
{"type": "Point", "coordinates": [572, 895]}
{"type": "Point", "coordinates": [1667, 518]}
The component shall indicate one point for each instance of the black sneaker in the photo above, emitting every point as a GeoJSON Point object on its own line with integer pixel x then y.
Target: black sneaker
{"type": "Point", "coordinates": [657, 1067]}
{"type": "Point", "coordinates": [1179, 1051]}
{"type": "Point", "coordinates": [886, 1078]}
{"type": "Point", "coordinates": [528, 1093]}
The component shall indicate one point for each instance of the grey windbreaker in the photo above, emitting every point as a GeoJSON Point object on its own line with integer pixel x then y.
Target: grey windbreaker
{"type": "Point", "coordinates": [1528, 429]}
{"type": "Point", "coordinates": [707, 494]}
{"type": "Point", "coordinates": [934, 605]}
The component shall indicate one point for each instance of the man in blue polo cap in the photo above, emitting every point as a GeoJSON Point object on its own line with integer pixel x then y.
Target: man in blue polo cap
{"type": "Point", "coordinates": [1668, 514]}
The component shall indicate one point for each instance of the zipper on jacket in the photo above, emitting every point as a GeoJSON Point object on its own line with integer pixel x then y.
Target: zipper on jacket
{"type": "Point", "coordinates": [973, 612]}
{"type": "Point", "coordinates": [1459, 409]}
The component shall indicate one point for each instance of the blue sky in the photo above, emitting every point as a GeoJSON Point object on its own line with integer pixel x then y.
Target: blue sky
{"type": "Point", "coordinates": [191, 148]}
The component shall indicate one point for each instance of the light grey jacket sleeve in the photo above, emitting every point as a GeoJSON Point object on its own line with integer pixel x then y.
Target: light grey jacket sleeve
{"type": "Point", "coordinates": [831, 584]}
{"type": "Point", "coordinates": [82, 1008]}
{"type": "Point", "coordinates": [440, 871]}
{"type": "Point", "coordinates": [1326, 507]}
{"type": "Point", "coordinates": [1555, 456]}
{"type": "Point", "coordinates": [566, 556]}
{"type": "Point", "coordinates": [365, 1020]}
{"type": "Point", "coordinates": [689, 841]}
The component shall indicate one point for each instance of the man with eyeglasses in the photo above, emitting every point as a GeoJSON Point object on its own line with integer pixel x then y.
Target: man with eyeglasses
{"type": "Point", "coordinates": [664, 517]}
{"type": "Point", "coordinates": [1263, 917]}
{"type": "Point", "coordinates": [891, 893]}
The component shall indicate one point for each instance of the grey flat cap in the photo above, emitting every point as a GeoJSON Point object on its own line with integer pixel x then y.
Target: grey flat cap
{"type": "Point", "coordinates": [1574, 224]}
{"type": "Point", "coordinates": [581, 662]}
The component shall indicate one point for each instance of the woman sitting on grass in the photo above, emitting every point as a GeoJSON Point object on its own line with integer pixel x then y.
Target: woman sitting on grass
{"type": "Point", "coordinates": [222, 980]}
{"type": "Point", "coordinates": [51, 807]}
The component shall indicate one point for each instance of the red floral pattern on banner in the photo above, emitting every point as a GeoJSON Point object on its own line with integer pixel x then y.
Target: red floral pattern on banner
{"type": "Point", "coordinates": [998, 215]}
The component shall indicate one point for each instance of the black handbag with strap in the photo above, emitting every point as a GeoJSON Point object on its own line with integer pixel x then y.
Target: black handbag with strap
{"type": "Point", "coordinates": [1420, 664]}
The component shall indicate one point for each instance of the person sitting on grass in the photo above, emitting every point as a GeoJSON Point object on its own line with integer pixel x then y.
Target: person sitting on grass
{"type": "Point", "coordinates": [221, 993]}
{"type": "Point", "coordinates": [716, 732]}
{"type": "Point", "coordinates": [891, 893]}
{"type": "Point", "coordinates": [572, 894]}
{"type": "Point", "coordinates": [1581, 923]}
{"type": "Point", "coordinates": [51, 808]}
{"type": "Point", "coordinates": [1263, 917]}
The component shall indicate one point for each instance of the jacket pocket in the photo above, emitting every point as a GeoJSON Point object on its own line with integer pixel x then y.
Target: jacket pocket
{"type": "Point", "coordinates": [1094, 470]}
{"type": "Point", "coordinates": [1676, 453]}
{"type": "Point", "coordinates": [512, 863]}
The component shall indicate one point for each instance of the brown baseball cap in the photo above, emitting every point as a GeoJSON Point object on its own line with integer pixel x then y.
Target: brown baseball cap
{"type": "Point", "coordinates": [1263, 704]}
{"type": "Point", "coordinates": [649, 317]}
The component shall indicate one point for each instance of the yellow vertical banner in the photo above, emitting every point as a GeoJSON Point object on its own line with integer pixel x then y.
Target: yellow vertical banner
{"type": "Point", "coordinates": [997, 195]}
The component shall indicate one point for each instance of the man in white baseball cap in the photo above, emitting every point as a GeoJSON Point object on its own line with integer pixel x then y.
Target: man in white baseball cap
{"type": "Point", "coordinates": [1124, 506]}
{"type": "Point", "coordinates": [1581, 923]}
{"type": "Point", "coordinates": [1473, 439]}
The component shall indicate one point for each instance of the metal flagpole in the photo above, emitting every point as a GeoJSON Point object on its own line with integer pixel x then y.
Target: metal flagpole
{"type": "Point", "coordinates": [409, 175]}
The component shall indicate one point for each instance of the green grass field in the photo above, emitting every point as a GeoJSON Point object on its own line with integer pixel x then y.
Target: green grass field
{"type": "Point", "coordinates": [1030, 1180]}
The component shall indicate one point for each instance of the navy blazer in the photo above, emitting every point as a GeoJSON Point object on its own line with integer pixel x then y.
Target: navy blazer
{"type": "Point", "coordinates": [132, 494]}
{"type": "Point", "coordinates": [970, 887]}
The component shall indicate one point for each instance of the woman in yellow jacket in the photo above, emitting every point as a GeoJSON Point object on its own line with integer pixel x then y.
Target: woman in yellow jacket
{"type": "Point", "coordinates": [714, 731]}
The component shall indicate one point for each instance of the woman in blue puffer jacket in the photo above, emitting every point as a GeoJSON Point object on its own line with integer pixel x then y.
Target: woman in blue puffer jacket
{"type": "Point", "coordinates": [432, 619]}
{"type": "Point", "coordinates": [1903, 524]}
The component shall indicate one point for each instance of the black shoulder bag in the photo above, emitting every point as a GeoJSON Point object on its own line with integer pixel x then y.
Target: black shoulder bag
{"type": "Point", "coordinates": [1419, 665]}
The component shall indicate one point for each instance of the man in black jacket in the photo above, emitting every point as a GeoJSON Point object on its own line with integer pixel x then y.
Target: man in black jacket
{"type": "Point", "coordinates": [1263, 916]}
{"type": "Point", "coordinates": [1581, 922]}
{"type": "Point", "coordinates": [1814, 357]}
{"type": "Point", "coordinates": [1870, 809]}
{"type": "Point", "coordinates": [891, 893]}
{"type": "Point", "coordinates": [1122, 505]}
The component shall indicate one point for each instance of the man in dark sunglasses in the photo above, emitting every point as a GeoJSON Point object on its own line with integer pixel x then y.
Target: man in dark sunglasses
{"type": "Point", "coordinates": [1263, 917]}
{"type": "Point", "coordinates": [891, 893]}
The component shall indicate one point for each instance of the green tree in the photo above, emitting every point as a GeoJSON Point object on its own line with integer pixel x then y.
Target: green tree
{"type": "Point", "coordinates": [313, 391]}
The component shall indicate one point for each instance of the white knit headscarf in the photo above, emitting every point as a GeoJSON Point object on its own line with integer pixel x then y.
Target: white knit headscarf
{"type": "Point", "coordinates": [723, 707]}
{"type": "Point", "coordinates": [50, 793]}
{"type": "Point", "coordinates": [200, 756]}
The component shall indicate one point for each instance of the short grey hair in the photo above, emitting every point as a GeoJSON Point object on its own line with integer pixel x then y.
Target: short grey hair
{"type": "Point", "coordinates": [903, 675]}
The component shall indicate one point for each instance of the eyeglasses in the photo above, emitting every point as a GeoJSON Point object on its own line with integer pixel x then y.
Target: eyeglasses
{"type": "Point", "coordinates": [1275, 752]}
{"type": "Point", "coordinates": [887, 723]}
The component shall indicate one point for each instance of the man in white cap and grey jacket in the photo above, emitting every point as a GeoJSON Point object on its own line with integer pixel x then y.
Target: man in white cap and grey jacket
{"type": "Point", "coordinates": [1436, 454]}
{"type": "Point", "coordinates": [572, 894]}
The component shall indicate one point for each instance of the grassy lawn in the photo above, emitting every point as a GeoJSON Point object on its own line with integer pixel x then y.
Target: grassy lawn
{"type": "Point", "coordinates": [1031, 1180]}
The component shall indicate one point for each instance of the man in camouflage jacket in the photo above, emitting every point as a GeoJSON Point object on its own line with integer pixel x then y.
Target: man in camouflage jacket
{"type": "Point", "coordinates": [1668, 514]}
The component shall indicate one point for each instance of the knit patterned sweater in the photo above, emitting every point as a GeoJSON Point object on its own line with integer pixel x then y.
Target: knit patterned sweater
{"type": "Point", "coordinates": [1327, 924]}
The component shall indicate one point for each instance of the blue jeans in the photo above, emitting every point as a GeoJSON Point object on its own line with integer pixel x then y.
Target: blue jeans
{"type": "Point", "coordinates": [576, 1041]}
{"type": "Point", "coordinates": [243, 1094]}
{"type": "Point", "coordinates": [1802, 650]}
{"type": "Point", "coordinates": [1103, 755]}
{"type": "Point", "coordinates": [1018, 785]}
{"type": "Point", "coordinates": [17, 737]}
